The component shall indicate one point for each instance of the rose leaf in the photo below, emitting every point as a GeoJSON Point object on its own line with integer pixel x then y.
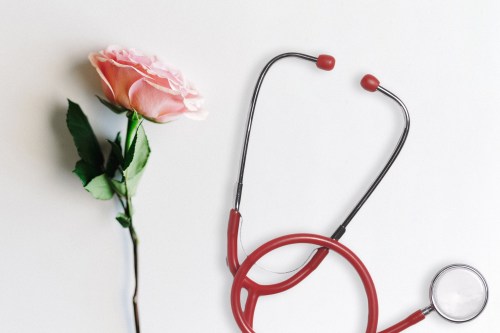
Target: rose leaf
{"type": "Point", "coordinates": [123, 219]}
{"type": "Point", "coordinates": [115, 158]}
{"type": "Point", "coordinates": [129, 155]}
{"type": "Point", "coordinates": [115, 108]}
{"type": "Point", "coordinates": [133, 183]}
{"type": "Point", "coordinates": [83, 136]}
{"type": "Point", "coordinates": [141, 151]}
{"type": "Point", "coordinates": [86, 172]}
{"type": "Point", "coordinates": [100, 188]}
{"type": "Point", "coordinates": [119, 187]}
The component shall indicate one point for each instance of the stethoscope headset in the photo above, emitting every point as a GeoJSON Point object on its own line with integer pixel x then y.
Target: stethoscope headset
{"type": "Point", "coordinates": [444, 286]}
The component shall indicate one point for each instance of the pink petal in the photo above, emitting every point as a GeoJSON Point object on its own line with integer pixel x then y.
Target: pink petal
{"type": "Point", "coordinates": [197, 115]}
{"type": "Point", "coordinates": [106, 86]}
{"type": "Point", "coordinates": [120, 78]}
{"type": "Point", "coordinates": [155, 104]}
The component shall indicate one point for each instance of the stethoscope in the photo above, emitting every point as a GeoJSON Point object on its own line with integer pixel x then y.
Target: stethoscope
{"type": "Point", "coordinates": [458, 292]}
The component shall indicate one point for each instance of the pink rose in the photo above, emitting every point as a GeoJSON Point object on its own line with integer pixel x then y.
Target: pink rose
{"type": "Point", "coordinates": [143, 83]}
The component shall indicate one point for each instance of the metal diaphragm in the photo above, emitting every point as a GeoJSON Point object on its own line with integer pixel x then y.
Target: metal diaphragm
{"type": "Point", "coordinates": [459, 293]}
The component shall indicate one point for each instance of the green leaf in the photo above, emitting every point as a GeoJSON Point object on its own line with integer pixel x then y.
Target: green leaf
{"type": "Point", "coordinates": [123, 219]}
{"type": "Point", "coordinates": [140, 156]}
{"type": "Point", "coordinates": [83, 136]}
{"type": "Point", "coordinates": [121, 190]}
{"type": "Point", "coordinates": [133, 183]}
{"type": "Point", "coordinates": [115, 108]}
{"type": "Point", "coordinates": [86, 172]}
{"type": "Point", "coordinates": [115, 158]}
{"type": "Point", "coordinates": [119, 187]}
{"type": "Point", "coordinates": [100, 188]}
{"type": "Point", "coordinates": [129, 155]}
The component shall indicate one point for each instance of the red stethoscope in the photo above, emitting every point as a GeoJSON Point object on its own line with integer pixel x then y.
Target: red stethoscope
{"type": "Point", "coordinates": [458, 292]}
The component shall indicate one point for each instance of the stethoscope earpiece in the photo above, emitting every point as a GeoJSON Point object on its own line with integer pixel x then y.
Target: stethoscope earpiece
{"type": "Point", "coordinates": [370, 83]}
{"type": "Point", "coordinates": [325, 62]}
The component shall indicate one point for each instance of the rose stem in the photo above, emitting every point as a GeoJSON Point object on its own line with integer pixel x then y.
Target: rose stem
{"type": "Point", "coordinates": [135, 241]}
{"type": "Point", "coordinates": [133, 124]}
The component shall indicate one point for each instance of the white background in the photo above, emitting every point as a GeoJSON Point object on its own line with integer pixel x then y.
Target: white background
{"type": "Point", "coordinates": [318, 141]}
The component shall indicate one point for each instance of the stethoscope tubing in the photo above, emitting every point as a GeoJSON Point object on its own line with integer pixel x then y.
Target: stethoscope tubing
{"type": "Point", "coordinates": [254, 289]}
{"type": "Point", "coordinates": [325, 243]}
{"type": "Point", "coordinates": [244, 319]}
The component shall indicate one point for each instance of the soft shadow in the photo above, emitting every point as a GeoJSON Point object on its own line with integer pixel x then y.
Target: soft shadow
{"type": "Point", "coordinates": [85, 74]}
{"type": "Point", "coordinates": [67, 154]}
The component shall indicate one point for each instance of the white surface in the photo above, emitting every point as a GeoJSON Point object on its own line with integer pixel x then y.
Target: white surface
{"type": "Point", "coordinates": [317, 143]}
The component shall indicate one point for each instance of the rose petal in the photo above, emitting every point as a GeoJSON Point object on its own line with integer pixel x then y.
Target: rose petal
{"type": "Point", "coordinates": [106, 86]}
{"type": "Point", "coordinates": [120, 77]}
{"type": "Point", "coordinates": [194, 103]}
{"type": "Point", "coordinates": [162, 78]}
{"type": "Point", "coordinates": [135, 80]}
{"type": "Point", "coordinates": [194, 108]}
{"type": "Point", "coordinates": [197, 115]}
{"type": "Point", "coordinates": [162, 87]}
{"type": "Point", "coordinates": [155, 104]}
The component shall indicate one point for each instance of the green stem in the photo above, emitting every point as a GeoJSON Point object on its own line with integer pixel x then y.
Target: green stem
{"type": "Point", "coordinates": [133, 124]}
{"type": "Point", "coordinates": [135, 243]}
{"type": "Point", "coordinates": [134, 120]}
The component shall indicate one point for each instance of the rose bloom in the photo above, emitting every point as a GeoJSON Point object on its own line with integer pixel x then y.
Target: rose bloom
{"type": "Point", "coordinates": [143, 83]}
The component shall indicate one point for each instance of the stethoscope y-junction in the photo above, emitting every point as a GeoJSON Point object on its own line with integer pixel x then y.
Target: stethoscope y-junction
{"type": "Point", "coordinates": [448, 284]}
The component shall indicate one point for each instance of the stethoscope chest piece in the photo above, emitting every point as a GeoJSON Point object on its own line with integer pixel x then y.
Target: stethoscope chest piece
{"type": "Point", "coordinates": [458, 293]}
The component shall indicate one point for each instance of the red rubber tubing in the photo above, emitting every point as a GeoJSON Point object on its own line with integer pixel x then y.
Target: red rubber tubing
{"type": "Point", "coordinates": [255, 290]}
{"type": "Point", "coordinates": [232, 241]}
{"type": "Point", "coordinates": [249, 284]}
{"type": "Point", "coordinates": [241, 275]}
{"type": "Point", "coordinates": [412, 319]}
